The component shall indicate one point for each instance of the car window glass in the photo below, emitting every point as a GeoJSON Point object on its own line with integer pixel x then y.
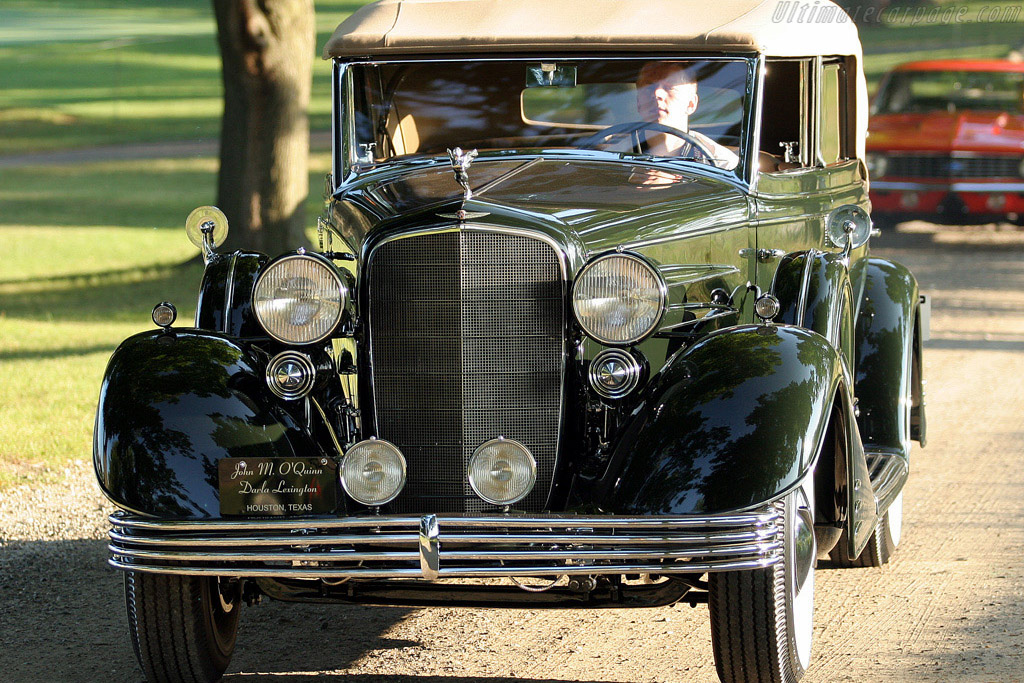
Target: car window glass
{"type": "Point", "coordinates": [829, 115]}
{"type": "Point", "coordinates": [420, 108]}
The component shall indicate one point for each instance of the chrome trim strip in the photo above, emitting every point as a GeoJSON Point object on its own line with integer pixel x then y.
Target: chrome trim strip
{"type": "Point", "coordinates": [327, 572]}
{"type": "Point", "coordinates": [909, 186]}
{"type": "Point", "coordinates": [300, 524]}
{"type": "Point", "coordinates": [229, 295]}
{"type": "Point", "coordinates": [805, 282]}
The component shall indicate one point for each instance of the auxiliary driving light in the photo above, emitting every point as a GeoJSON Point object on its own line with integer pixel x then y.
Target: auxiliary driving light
{"type": "Point", "coordinates": [164, 314]}
{"type": "Point", "coordinates": [767, 307]}
{"type": "Point", "coordinates": [502, 471]}
{"type": "Point", "coordinates": [614, 373]}
{"type": "Point", "coordinates": [291, 375]}
{"type": "Point", "coordinates": [373, 472]}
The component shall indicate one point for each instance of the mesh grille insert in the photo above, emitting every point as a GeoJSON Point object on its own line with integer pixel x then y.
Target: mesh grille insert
{"type": "Point", "coordinates": [466, 344]}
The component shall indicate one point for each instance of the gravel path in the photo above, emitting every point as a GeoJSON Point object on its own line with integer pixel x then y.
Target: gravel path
{"type": "Point", "coordinates": [949, 607]}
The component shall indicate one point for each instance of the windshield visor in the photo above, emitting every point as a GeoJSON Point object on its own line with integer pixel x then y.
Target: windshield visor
{"type": "Point", "coordinates": [692, 110]}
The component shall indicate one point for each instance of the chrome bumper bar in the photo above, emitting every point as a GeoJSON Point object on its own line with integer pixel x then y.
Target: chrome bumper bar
{"type": "Point", "coordinates": [448, 546]}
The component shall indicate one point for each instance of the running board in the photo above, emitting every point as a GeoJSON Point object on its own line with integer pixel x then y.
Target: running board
{"type": "Point", "coordinates": [888, 472]}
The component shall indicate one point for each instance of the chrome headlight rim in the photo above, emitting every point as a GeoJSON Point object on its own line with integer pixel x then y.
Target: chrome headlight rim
{"type": "Point", "coordinates": [475, 485]}
{"type": "Point", "coordinates": [355, 495]}
{"type": "Point", "coordinates": [662, 297]}
{"type": "Point", "coordinates": [331, 269]}
{"type": "Point", "coordinates": [876, 163]}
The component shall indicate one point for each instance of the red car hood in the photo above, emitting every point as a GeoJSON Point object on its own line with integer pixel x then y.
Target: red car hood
{"type": "Point", "coordinates": [944, 132]}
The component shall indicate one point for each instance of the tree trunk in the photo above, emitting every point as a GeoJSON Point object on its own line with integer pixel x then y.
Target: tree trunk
{"type": "Point", "coordinates": [267, 59]}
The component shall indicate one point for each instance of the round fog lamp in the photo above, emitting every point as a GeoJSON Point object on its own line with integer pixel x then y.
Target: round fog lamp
{"type": "Point", "coordinates": [373, 472]}
{"type": "Point", "coordinates": [614, 373]}
{"type": "Point", "coordinates": [290, 375]}
{"type": "Point", "coordinates": [502, 471]}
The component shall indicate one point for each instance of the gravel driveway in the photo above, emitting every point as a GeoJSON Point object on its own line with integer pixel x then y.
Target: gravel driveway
{"type": "Point", "coordinates": [949, 607]}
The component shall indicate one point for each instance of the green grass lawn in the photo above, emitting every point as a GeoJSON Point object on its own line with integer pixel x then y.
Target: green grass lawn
{"type": "Point", "coordinates": [81, 73]}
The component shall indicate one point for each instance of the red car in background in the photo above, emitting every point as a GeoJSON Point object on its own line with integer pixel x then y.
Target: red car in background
{"type": "Point", "coordinates": [946, 142]}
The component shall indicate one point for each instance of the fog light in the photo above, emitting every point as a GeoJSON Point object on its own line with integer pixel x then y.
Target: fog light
{"type": "Point", "coordinates": [614, 373]}
{"type": "Point", "coordinates": [766, 307]}
{"type": "Point", "coordinates": [164, 314]}
{"type": "Point", "coordinates": [291, 375]}
{"type": "Point", "coordinates": [502, 471]}
{"type": "Point", "coordinates": [996, 202]}
{"type": "Point", "coordinates": [373, 472]}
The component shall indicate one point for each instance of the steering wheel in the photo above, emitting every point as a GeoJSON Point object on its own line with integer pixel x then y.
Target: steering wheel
{"type": "Point", "coordinates": [703, 153]}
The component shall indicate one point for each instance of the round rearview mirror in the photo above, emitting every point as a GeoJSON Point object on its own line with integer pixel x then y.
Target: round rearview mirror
{"type": "Point", "coordinates": [207, 227]}
{"type": "Point", "coordinates": [848, 226]}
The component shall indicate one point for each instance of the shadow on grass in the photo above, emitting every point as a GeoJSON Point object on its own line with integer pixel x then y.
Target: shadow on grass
{"type": "Point", "coordinates": [115, 296]}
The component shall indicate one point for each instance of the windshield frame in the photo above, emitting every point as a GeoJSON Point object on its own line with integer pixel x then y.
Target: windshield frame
{"type": "Point", "coordinates": [346, 169]}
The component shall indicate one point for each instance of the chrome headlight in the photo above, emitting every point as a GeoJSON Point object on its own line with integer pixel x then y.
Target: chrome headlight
{"type": "Point", "coordinates": [619, 299]}
{"type": "Point", "coordinates": [299, 299]}
{"type": "Point", "coordinates": [876, 163]}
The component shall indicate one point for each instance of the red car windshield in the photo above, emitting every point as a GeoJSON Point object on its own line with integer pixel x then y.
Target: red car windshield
{"type": "Point", "coordinates": [952, 91]}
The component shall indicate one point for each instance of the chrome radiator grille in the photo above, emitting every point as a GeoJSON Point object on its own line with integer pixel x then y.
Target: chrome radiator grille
{"type": "Point", "coordinates": [941, 166]}
{"type": "Point", "coordinates": [466, 344]}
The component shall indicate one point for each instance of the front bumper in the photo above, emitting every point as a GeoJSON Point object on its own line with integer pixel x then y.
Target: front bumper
{"type": "Point", "coordinates": [949, 200]}
{"type": "Point", "coordinates": [436, 547]}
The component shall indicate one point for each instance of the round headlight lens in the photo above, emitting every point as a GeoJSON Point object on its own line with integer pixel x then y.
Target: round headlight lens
{"type": "Point", "coordinates": [373, 472]}
{"type": "Point", "coordinates": [619, 299]}
{"type": "Point", "coordinates": [502, 471]}
{"type": "Point", "coordinates": [299, 299]}
{"type": "Point", "coordinates": [876, 164]}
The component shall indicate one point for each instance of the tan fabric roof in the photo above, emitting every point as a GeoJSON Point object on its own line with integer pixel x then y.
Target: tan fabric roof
{"type": "Point", "coordinates": [391, 27]}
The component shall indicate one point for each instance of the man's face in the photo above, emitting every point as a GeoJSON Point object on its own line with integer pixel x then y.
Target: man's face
{"type": "Point", "coordinates": [666, 95]}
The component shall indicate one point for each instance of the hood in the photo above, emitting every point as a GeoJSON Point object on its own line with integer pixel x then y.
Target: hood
{"type": "Point", "coordinates": [593, 204]}
{"type": "Point", "coordinates": [972, 131]}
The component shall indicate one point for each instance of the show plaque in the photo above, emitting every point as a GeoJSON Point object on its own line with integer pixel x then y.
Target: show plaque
{"type": "Point", "coordinates": [278, 486]}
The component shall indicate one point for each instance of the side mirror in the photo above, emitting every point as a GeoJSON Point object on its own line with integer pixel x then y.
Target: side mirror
{"type": "Point", "coordinates": [207, 228]}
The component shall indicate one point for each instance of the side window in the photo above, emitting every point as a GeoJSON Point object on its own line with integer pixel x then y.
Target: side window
{"type": "Point", "coordinates": [785, 115]}
{"type": "Point", "coordinates": [831, 113]}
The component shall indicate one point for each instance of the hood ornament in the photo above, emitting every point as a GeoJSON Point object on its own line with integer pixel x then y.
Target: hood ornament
{"type": "Point", "coordinates": [460, 164]}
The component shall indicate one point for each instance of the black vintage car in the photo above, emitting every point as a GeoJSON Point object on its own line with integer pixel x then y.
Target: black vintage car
{"type": "Point", "coordinates": [593, 322]}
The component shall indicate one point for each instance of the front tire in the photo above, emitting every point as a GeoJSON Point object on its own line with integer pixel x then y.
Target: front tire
{"type": "Point", "coordinates": [882, 545]}
{"type": "Point", "coordinates": [762, 620]}
{"type": "Point", "coordinates": [182, 627]}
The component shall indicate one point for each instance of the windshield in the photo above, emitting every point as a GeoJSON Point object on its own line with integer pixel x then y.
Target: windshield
{"type": "Point", "coordinates": [684, 109]}
{"type": "Point", "coordinates": [921, 91]}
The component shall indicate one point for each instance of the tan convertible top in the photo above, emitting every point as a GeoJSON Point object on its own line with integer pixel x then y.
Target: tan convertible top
{"type": "Point", "coordinates": [783, 28]}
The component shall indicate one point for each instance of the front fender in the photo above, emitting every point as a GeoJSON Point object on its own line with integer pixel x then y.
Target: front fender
{"type": "Point", "coordinates": [733, 422]}
{"type": "Point", "coordinates": [171, 406]}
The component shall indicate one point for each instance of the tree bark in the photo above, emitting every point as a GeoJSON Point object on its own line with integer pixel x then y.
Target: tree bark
{"type": "Point", "coordinates": [267, 59]}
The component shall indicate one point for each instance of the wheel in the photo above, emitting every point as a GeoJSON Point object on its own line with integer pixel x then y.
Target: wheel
{"type": "Point", "coordinates": [882, 544]}
{"type": "Point", "coordinates": [889, 529]}
{"type": "Point", "coordinates": [762, 620]}
{"type": "Point", "coordinates": [183, 627]}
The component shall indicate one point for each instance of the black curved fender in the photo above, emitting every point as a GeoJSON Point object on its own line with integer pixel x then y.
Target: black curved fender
{"type": "Point", "coordinates": [733, 422]}
{"type": "Point", "coordinates": [888, 359]}
{"type": "Point", "coordinates": [225, 295]}
{"type": "Point", "coordinates": [171, 406]}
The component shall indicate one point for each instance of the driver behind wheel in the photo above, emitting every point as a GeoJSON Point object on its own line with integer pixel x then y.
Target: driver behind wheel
{"type": "Point", "coordinates": [666, 93]}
